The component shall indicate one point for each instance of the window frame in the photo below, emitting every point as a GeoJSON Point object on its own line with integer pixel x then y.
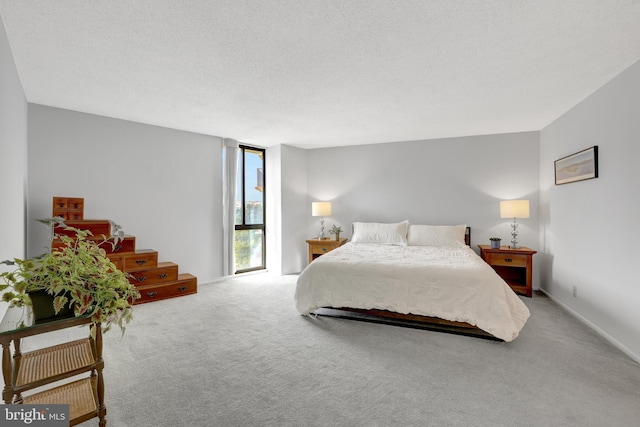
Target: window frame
{"type": "Point", "coordinates": [242, 149]}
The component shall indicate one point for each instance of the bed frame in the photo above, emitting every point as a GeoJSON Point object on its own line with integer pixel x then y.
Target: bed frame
{"type": "Point", "coordinates": [408, 320]}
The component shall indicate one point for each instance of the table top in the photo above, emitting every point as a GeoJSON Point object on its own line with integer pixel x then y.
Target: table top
{"type": "Point", "coordinates": [519, 249]}
{"type": "Point", "coordinates": [18, 322]}
{"type": "Point", "coordinates": [315, 240]}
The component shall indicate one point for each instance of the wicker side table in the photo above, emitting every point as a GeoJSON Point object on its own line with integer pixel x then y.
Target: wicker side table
{"type": "Point", "coordinates": [42, 367]}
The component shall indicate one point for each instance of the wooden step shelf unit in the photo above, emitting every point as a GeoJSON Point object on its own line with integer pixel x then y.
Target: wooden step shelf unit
{"type": "Point", "coordinates": [68, 207]}
{"type": "Point", "coordinates": [155, 280]}
{"type": "Point", "coordinates": [69, 373]}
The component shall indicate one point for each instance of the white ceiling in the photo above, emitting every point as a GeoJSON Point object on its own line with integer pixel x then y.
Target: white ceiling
{"type": "Point", "coordinates": [314, 73]}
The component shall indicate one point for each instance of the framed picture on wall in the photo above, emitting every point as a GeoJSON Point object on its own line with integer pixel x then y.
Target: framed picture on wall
{"type": "Point", "coordinates": [578, 166]}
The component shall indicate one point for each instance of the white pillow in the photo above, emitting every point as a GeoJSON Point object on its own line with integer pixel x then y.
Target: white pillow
{"type": "Point", "coordinates": [436, 235]}
{"type": "Point", "coordinates": [383, 234]}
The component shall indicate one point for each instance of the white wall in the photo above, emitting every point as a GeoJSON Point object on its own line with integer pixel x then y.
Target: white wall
{"type": "Point", "coordinates": [294, 220]}
{"type": "Point", "coordinates": [273, 205]}
{"type": "Point", "coordinates": [162, 185]}
{"type": "Point", "coordinates": [589, 228]}
{"type": "Point", "coordinates": [286, 213]}
{"type": "Point", "coordinates": [445, 181]}
{"type": "Point", "coordinates": [13, 158]}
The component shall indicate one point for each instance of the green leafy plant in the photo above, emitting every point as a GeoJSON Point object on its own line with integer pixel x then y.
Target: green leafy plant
{"type": "Point", "coordinates": [78, 275]}
{"type": "Point", "coordinates": [17, 282]}
{"type": "Point", "coordinates": [335, 229]}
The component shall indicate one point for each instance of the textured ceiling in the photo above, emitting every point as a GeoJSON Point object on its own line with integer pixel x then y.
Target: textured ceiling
{"type": "Point", "coordinates": [313, 73]}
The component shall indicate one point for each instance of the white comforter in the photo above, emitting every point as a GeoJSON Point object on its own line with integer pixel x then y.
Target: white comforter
{"type": "Point", "coordinates": [451, 283]}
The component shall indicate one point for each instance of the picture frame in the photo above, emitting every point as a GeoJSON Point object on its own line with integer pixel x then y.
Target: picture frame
{"type": "Point", "coordinates": [578, 166]}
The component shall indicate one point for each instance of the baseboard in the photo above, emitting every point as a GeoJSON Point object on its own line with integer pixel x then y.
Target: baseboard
{"type": "Point", "coordinates": [617, 344]}
{"type": "Point", "coordinates": [232, 276]}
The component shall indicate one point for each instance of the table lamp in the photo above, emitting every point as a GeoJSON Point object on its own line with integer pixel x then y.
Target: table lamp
{"type": "Point", "coordinates": [321, 209]}
{"type": "Point", "coordinates": [514, 209]}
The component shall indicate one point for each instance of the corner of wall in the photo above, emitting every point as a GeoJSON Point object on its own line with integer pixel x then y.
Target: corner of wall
{"type": "Point", "coordinates": [13, 161]}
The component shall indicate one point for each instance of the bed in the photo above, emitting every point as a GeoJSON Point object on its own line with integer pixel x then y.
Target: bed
{"type": "Point", "coordinates": [412, 275]}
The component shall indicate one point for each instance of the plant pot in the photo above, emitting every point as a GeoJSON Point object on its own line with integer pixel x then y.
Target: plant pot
{"type": "Point", "coordinates": [42, 306]}
{"type": "Point", "coordinates": [16, 317]}
{"type": "Point", "coordinates": [337, 236]}
{"type": "Point", "coordinates": [495, 244]}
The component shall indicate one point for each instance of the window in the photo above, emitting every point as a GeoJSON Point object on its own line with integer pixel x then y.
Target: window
{"type": "Point", "coordinates": [249, 239]}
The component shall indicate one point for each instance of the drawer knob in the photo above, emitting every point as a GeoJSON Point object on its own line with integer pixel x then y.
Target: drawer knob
{"type": "Point", "coordinates": [508, 260]}
{"type": "Point", "coordinates": [182, 288]}
{"type": "Point", "coordinates": [324, 249]}
{"type": "Point", "coordinates": [152, 294]}
{"type": "Point", "coordinates": [141, 261]}
{"type": "Point", "coordinates": [162, 275]}
{"type": "Point", "coordinates": [141, 278]}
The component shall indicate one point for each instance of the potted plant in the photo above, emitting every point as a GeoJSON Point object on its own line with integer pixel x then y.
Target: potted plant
{"type": "Point", "coordinates": [78, 276]}
{"type": "Point", "coordinates": [495, 242]}
{"type": "Point", "coordinates": [336, 230]}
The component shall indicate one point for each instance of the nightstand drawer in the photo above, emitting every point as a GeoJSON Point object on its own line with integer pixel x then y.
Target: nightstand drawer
{"type": "Point", "coordinates": [514, 260]}
{"type": "Point", "coordinates": [322, 249]}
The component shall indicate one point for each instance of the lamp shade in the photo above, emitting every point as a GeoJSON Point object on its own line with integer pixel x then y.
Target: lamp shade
{"type": "Point", "coordinates": [514, 209]}
{"type": "Point", "coordinates": [320, 208]}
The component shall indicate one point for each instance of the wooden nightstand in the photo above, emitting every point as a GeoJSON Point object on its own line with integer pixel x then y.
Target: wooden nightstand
{"type": "Point", "coordinates": [513, 265]}
{"type": "Point", "coordinates": [321, 247]}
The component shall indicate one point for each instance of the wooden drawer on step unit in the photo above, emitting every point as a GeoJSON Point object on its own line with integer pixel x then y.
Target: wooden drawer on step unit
{"type": "Point", "coordinates": [185, 285]}
{"type": "Point", "coordinates": [76, 209]}
{"type": "Point", "coordinates": [126, 244]}
{"type": "Point", "coordinates": [118, 260]}
{"type": "Point", "coordinates": [61, 203]}
{"type": "Point", "coordinates": [97, 227]}
{"type": "Point", "coordinates": [140, 260]}
{"type": "Point", "coordinates": [62, 214]}
{"type": "Point", "coordinates": [74, 215]}
{"type": "Point", "coordinates": [165, 272]}
{"type": "Point", "coordinates": [75, 204]}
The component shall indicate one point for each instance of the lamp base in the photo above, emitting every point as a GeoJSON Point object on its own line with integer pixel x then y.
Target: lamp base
{"type": "Point", "coordinates": [514, 235]}
{"type": "Point", "coordinates": [321, 236]}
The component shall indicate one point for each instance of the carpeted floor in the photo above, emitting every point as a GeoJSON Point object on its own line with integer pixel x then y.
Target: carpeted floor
{"type": "Point", "coordinates": [239, 354]}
